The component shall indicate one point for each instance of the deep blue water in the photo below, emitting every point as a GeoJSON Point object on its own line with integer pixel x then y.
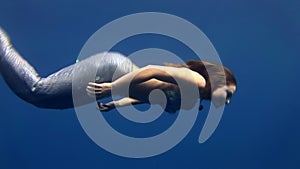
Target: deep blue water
{"type": "Point", "coordinates": [257, 40]}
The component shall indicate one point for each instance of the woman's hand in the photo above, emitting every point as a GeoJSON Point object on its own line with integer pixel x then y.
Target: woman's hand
{"type": "Point", "coordinates": [105, 107]}
{"type": "Point", "coordinates": [99, 90]}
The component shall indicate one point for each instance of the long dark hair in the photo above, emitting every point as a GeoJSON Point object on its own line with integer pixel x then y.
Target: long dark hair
{"type": "Point", "coordinates": [213, 74]}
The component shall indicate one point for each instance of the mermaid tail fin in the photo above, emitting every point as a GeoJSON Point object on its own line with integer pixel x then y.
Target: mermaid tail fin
{"type": "Point", "coordinates": [19, 75]}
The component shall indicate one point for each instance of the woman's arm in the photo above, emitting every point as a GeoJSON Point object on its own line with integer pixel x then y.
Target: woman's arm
{"type": "Point", "coordinates": [163, 74]}
{"type": "Point", "coordinates": [119, 103]}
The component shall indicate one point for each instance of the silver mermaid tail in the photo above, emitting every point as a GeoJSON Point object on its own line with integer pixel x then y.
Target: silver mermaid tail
{"type": "Point", "coordinates": [55, 91]}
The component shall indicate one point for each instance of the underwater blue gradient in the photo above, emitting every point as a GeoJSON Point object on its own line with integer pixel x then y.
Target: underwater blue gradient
{"type": "Point", "coordinates": [257, 40]}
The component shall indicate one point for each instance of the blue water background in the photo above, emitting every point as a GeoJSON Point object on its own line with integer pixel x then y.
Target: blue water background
{"type": "Point", "coordinates": [258, 40]}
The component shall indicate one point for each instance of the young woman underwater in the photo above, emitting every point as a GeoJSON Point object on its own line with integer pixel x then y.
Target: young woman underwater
{"type": "Point", "coordinates": [115, 72]}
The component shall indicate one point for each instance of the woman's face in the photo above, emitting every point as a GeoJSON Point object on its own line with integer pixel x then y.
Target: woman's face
{"type": "Point", "coordinates": [223, 95]}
